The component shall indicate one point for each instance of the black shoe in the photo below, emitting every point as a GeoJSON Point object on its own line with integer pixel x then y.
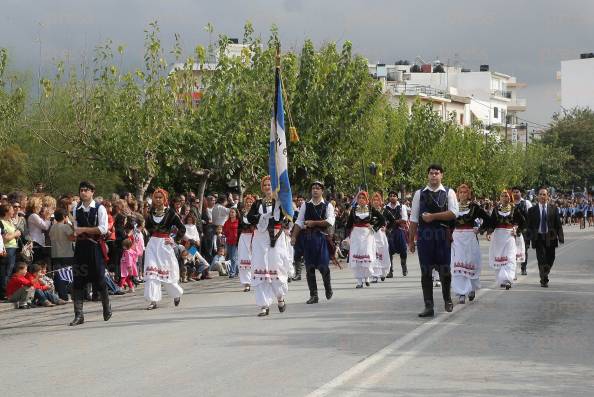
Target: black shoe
{"type": "Point", "coordinates": [289, 279]}
{"type": "Point", "coordinates": [329, 294]}
{"type": "Point", "coordinates": [544, 285]}
{"type": "Point", "coordinates": [405, 273]}
{"type": "Point", "coordinates": [312, 300]}
{"type": "Point", "coordinates": [78, 320]}
{"type": "Point", "coordinates": [264, 312]}
{"type": "Point", "coordinates": [367, 283]}
{"type": "Point", "coordinates": [508, 286]}
{"type": "Point", "coordinates": [524, 272]}
{"type": "Point", "coordinates": [176, 301]}
{"type": "Point", "coordinates": [152, 306]}
{"type": "Point", "coordinates": [359, 286]}
{"type": "Point", "coordinates": [297, 278]}
{"type": "Point", "coordinates": [283, 307]}
{"type": "Point", "coordinates": [428, 312]}
{"type": "Point", "coordinates": [471, 296]}
{"type": "Point", "coordinates": [449, 306]}
{"type": "Point", "coordinates": [390, 275]}
{"type": "Point", "coordinates": [383, 278]}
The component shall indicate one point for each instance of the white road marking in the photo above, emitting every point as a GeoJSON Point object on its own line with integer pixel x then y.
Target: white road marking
{"type": "Point", "coordinates": [342, 379]}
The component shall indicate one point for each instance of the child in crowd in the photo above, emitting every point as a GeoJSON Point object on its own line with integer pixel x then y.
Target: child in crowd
{"type": "Point", "coordinates": [19, 289]}
{"type": "Point", "coordinates": [138, 245]}
{"type": "Point", "coordinates": [128, 268]}
{"type": "Point", "coordinates": [219, 263]}
{"type": "Point", "coordinates": [196, 265]}
{"type": "Point", "coordinates": [43, 295]}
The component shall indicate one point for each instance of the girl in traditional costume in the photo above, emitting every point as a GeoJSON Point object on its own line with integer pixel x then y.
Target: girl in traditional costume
{"type": "Point", "coordinates": [466, 253]}
{"type": "Point", "coordinates": [271, 258]}
{"type": "Point", "coordinates": [505, 222]}
{"type": "Point", "coordinates": [160, 263]}
{"type": "Point", "coordinates": [363, 222]}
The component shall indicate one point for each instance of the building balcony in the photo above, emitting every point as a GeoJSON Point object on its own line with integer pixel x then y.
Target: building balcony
{"type": "Point", "coordinates": [417, 90]}
{"type": "Point", "coordinates": [517, 105]}
{"type": "Point", "coordinates": [501, 94]}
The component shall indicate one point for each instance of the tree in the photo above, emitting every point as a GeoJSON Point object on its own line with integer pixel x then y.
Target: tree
{"type": "Point", "coordinates": [574, 131]}
{"type": "Point", "coordinates": [12, 100]}
{"type": "Point", "coordinates": [128, 123]}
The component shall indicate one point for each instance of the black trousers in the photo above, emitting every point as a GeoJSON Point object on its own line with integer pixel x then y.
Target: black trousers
{"type": "Point", "coordinates": [311, 279]}
{"type": "Point", "coordinates": [545, 255]}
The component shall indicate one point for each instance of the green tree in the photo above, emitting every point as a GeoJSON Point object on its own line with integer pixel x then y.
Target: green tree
{"type": "Point", "coordinates": [574, 131]}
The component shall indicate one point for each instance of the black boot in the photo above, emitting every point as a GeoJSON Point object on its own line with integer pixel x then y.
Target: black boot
{"type": "Point", "coordinates": [78, 299]}
{"type": "Point", "coordinates": [327, 284]}
{"type": "Point", "coordinates": [312, 284]}
{"type": "Point", "coordinates": [298, 265]}
{"type": "Point", "coordinates": [428, 312]}
{"type": "Point", "coordinates": [524, 273]}
{"type": "Point", "coordinates": [312, 299]}
{"type": "Point", "coordinates": [391, 272]}
{"type": "Point", "coordinates": [446, 282]}
{"type": "Point", "coordinates": [106, 305]}
{"type": "Point", "coordinates": [403, 265]}
{"type": "Point", "coordinates": [427, 285]}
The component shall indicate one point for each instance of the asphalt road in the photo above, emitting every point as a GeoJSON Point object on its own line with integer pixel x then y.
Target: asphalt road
{"type": "Point", "coordinates": [526, 341]}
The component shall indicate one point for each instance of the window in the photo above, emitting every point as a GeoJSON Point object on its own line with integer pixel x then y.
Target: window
{"type": "Point", "coordinates": [496, 112]}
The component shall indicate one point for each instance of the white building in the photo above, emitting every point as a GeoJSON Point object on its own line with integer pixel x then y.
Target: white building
{"type": "Point", "coordinates": [484, 96]}
{"type": "Point", "coordinates": [577, 82]}
{"type": "Point", "coordinates": [201, 70]}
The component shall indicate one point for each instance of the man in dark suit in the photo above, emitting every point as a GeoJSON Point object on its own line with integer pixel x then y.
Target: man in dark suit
{"type": "Point", "coordinates": [546, 232]}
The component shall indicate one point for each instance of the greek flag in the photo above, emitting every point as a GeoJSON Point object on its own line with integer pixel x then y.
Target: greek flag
{"type": "Point", "coordinates": [65, 274]}
{"type": "Point", "coordinates": [277, 153]}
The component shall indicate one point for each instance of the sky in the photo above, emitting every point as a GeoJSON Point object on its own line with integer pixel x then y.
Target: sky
{"type": "Point", "coordinates": [526, 39]}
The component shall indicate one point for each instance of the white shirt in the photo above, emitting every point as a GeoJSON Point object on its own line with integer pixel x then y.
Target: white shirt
{"type": "Point", "coordinates": [101, 215]}
{"type": "Point", "coordinates": [403, 211]}
{"type": "Point", "coordinates": [416, 203]}
{"type": "Point", "coordinates": [192, 233]}
{"type": "Point", "coordinates": [219, 215]}
{"type": "Point", "coordinates": [36, 227]}
{"type": "Point", "coordinates": [330, 215]}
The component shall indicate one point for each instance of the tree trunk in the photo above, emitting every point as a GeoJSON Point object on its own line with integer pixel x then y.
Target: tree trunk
{"type": "Point", "coordinates": [141, 188]}
{"type": "Point", "coordinates": [203, 175]}
{"type": "Point", "coordinates": [239, 186]}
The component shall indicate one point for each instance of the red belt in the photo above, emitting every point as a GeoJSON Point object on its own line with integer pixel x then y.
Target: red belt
{"type": "Point", "coordinates": [247, 232]}
{"type": "Point", "coordinates": [278, 227]}
{"type": "Point", "coordinates": [504, 226]}
{"type": "Point", "coordinates": [160, 235]}
{"type": "Point", "coordinates": [464, 227]}
{"type": "Point", "coordinates": [361, 225]}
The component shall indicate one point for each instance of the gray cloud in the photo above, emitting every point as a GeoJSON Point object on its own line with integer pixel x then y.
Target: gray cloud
{"type": "Point", "coordinates": [524, 38]}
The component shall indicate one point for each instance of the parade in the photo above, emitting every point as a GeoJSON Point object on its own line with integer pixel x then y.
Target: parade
{"type": "Point", "coordinates": [296, 198]}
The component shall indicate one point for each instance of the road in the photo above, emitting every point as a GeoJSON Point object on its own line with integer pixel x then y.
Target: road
{"type": "Point", "coordinates": [526, 341]}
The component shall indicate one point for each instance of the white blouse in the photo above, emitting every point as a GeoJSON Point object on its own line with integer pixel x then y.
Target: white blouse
{"type": "Point", "coordinates": [36, 227]}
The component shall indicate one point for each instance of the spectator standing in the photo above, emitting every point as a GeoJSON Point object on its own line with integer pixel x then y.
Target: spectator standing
{"type": "Point", "coordinates": [231, 233]}
{"type": "Point", "coordinates": [10, 234]}
{"type": "Point", "coordinates": [38, 223]}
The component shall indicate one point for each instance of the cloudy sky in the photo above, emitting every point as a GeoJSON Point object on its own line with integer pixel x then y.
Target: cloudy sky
{"type": "Point", "coordinates": [524, 38]}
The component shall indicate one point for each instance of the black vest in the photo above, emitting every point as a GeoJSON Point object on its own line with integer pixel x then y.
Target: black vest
{"type": "Point", "coordinates": [315, 212]}
{"type": "Point", "coordinates": [87, 219]}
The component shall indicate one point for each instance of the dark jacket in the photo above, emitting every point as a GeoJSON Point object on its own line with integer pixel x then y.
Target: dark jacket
{"type": "Point", "coordinates": [554, 233]}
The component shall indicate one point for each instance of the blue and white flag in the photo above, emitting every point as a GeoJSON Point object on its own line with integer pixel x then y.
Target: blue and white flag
{"type": "Point", "coordinates": [277, 153]}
